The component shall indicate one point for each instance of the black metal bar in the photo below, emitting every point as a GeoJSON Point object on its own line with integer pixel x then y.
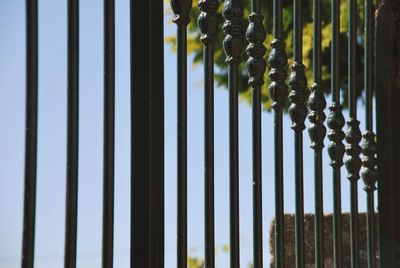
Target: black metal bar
{"type": "Point", "coordinates": [181, 10]}
{"type": "Point", "coordinates": [147, 134]}
{"type": "Point", "coordinates": [278, 91]}
{"type": "Point", "coordinates": [336, 135]}
{"type": "Point", "coordinates": [371, 250]}
{"type": "Point", "coordinates": [109, 134]}
{"type": "Point", "coordinates": [299, 197]}
{"type": "Point", "coordinates": [256, 67]}
{"type": "Point", "coordinates": [298, 112]}
{"type": "Point", "coordinates": [297, 31]}
{"type": "Point", "coordinates": [208, 23]}
{"type": "Point", "coordinates": [353, 136]}
{"type": "Point", "coordinates": [257, 179]}
{"type": "Point", "coordinates": [234, 167]}
{"type": "Point", "coordinates": [352, 7]}
{"type": "Point", "coordinates": [232, 44]}
{"type": "Point", "coordinates": [354, 224]}
{"type": "Point", "coordinates": [337, 217]}
{"type": "Point", "coordinates": [209, 155]}
{"type": "Point", "coordinates": [317, 132]}
{"type": "Point", "coordinates": [317, 38]}
{"type": "Point", "coordinates": [28, 236]}
{"type": "Point", "coordinates": [369, 62]}
{"type": "Point", "coordinates": [369, 175]}
{"type": "Point", "coordinates": [368, 145]}
{"type": "Point", "coordinates": [182, 149]}
{"type": "Point", "coordinates": [319, 211]}
{"type": "Point", "coordinates": [72, 134]}
{"type": "Point", "coordinates": [335, 17]}
{"type": "Point", "coordinates": [388, 130]}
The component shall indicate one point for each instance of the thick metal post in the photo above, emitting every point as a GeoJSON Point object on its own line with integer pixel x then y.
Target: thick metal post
{"type": "Point", "coordinates": [388, 131]}
{"type": "Point", "coordinates": [147, 134]}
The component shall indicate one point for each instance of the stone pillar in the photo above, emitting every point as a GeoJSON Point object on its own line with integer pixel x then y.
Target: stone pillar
{"type": "Point", "coordinates": [289, 245]}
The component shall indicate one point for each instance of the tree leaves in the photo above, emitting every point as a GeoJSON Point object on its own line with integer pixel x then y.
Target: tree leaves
{"type": "Point", "coordinates": [195, 48]}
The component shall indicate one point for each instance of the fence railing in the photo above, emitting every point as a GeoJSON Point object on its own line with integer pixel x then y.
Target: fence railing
{"type": "Point", "coordinates": [350, 146]}
{"type": "Point", "coordinates": [299, 103]}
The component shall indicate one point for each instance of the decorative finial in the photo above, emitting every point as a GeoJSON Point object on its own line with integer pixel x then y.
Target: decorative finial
{"type": "Point", "coordinates": [181, 9]}
{"type": "Point", "coordinates": [317, 104]}
{"type": "Point", "coordinates": [233, 28]}
{"type": "Point", "coordinates": [256, 65]}
{"type": "Point", "coordinates": [298, 96]}
{"type": "Point", "coordinates": [208, 20]}
{"type": "Point", "coordinates": [353, 149]}
{"type": "Point", "coordinates": [369, 162]}
{"type": "Point", "coordinates": [277, 74]}
{"type": "Point", "coordinates": [336, 135]}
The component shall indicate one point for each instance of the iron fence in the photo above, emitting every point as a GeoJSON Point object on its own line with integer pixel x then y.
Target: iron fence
{"type": "Point", "coordinates": [349, 147]}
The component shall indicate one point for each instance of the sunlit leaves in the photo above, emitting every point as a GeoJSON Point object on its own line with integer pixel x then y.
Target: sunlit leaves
{"type": "Point", "coordinates": [195, 48]}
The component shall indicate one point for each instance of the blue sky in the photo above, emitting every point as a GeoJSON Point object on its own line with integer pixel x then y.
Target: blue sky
{"type": "Point", "coordinates": [52, 147]}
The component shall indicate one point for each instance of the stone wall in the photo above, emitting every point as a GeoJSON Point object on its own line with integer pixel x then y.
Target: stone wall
{"type": "Point", "coordinates": [290, 256]}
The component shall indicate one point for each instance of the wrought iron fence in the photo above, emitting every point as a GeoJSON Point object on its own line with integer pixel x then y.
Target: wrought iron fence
{"type": "Point", "coordinates": [347, 146]}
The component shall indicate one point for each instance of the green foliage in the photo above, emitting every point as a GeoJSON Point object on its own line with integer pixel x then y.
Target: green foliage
{"type": "Point", "coordinates": [221, 77]}
{"type": "Point", "coordinates": [195, 263]}
{"type": "Point", "coordinates": [199, 263]}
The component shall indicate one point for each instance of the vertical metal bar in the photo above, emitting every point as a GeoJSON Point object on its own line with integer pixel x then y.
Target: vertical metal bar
{"type": "Point", "coordinates": [317, 132]}
{"type": "Point", "coordinates": [182, 149]}
{"type": "Point", "coordinates": [387, 43]}
{"type": "Point", "coordinates": [319, 211]}
{"type": "Point", "coordinates": [147, 134]}
{"type": "Point", "coordinates": [335, 18]}
{"type": "Point", "coordinates": [278, 91]}
{"type": "Point", "coordinates": [354, 224]}
{"type": "Point", "coordinates": [181, 10]}
{"type": "Point", "coordinates": [371, 251]}
{"type": "Point", "coordinates": [353, 137]}
{"type": "Point", "coordinates": [28, 236]}
{"type": "Point", "coordinates": [72, 134]}
{"type": "Point", "coordinates": [109, 137]}
{"type": "Point", "coordinates": [234, 168]}
{"type": "Point", "coordinates": [369, 175]}
{"type": "Point", "coordinates": [336, 135]}
{"type": "Point", "coordinates": [208, 22]}
{"type": "Point", "coordinates": [256, 66]}
{"type": "Point", "coordinates": [351, 58]}
{"type": "Point", "coordinates": [299, 197]}
{"type": "Point", "coordinates": [369, 62]}
{"type": "Point", "coordinates": [232, 44]}
{"type": "Point", "coordinates": [209, 156]}
{"type": "Point", "coordinates": [368, 145]}
{"type": "Point", "coordinates": [298, 112]}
